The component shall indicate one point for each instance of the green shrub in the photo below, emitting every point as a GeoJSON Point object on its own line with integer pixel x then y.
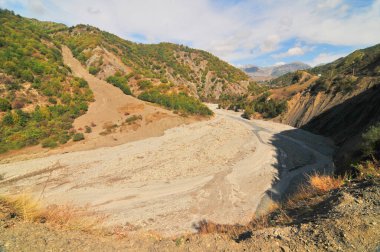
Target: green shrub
{"type": "Point", "coordinates": [93, 70]}
{"type": "Point", "coordinates": [144, 84]}
{"type": "Point", "coordinates": [64, 138]}
{"type": "Point", "coordinates": [78, 137]}
{"type": "Point", "coordinates": [82, 83]}
{"type": "Point", "coordinates": [5, 105]}
{"type": "Point", "coordinates": [248, 112]}
{"type": "Point", "coordinates": [88, 129]}
{"type": "Point", "coordinates": [133, 118]}
{"type": "Point", "coordinates": [8, 119]}
{"type": "Point", "coordinates": [49, 143]}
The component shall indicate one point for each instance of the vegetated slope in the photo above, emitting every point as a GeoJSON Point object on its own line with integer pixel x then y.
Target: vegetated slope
{"type": "Point", "coordinates": [195, 72]}
{"type": "Point", "coordinates": [39, 97]}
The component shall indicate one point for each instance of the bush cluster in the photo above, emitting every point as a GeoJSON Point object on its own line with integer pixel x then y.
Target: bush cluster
{"type": "Point", "coordinates": [267, 107]}
{"type": "Point", "coordinates": [179, 102]}
{"type": "Point", "coordinates": [120, 82]}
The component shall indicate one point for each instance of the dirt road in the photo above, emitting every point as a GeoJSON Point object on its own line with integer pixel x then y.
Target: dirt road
{"type": "Point", "coordinates": [220, 170]}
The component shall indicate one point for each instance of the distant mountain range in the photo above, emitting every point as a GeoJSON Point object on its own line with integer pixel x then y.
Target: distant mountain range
{"type": "Point", "coordinates": [265, 73]}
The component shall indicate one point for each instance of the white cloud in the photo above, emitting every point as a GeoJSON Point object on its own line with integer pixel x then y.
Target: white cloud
{"type": "Point", "coordinates": [233, 32]}
{"type": "Point", "coordinates": [270, 43]}
{"type": "Point", "coordinates": [279, 63]}
{"type": "Point", "coordinates": [328, 4]}
{"type": "Point", "coordinates": [294, 51]}
{"type": "Point", "coordinates": [36, 6]}
{"type": "Point", "coordinates": [324, 58]}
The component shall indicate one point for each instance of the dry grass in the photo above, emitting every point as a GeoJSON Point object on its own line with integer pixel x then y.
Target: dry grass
{"type": "Point", "coordinates": [325, 183]}
{"type": "Point", "coordinates": [67, 217]}
{"type": "Point", "coordinates": [23, 206]}
{"type": "Point", "coordinates": [73, 218]}
{"type": "Point", "coordinates": [317, 185]}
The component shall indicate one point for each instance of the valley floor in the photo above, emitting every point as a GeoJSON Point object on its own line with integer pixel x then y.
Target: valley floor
{"type": "Point", "coordinates": [220, 170]}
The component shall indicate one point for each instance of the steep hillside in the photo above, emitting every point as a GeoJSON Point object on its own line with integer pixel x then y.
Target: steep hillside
{"type": "Point", "coordinates": [342, 101]}
{"type": "Point", "coordinates": [39, 97]}
{"type": "Point", "coordinates": [337, 82]}
{"type": "Point", "coordinates": [196, 72]}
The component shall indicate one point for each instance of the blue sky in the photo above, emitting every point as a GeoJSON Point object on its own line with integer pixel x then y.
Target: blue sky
{"type": "Point", "coordinates": [260, 32]}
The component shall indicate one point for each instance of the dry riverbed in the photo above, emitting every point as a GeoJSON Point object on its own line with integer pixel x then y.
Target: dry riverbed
{"type": "Point", "coordinates": [220, 170]}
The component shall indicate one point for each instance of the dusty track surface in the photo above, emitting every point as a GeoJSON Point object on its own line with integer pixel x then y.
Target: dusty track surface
{"type": "Point", "coordinates": [220, 170]}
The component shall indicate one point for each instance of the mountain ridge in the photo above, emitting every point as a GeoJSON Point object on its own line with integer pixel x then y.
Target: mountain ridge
{"type": "Point", "coordinates": [273, 71]}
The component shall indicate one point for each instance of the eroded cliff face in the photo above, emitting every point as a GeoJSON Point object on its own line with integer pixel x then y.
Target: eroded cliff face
{"type": "Point", "coordinates": [305, 106]}
{"type": "Point", "coordinates": [316, 111]}
{"type": "Point", "coordinates": [341, 116]}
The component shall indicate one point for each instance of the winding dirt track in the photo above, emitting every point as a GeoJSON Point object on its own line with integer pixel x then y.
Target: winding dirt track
{"type": "Point", "coordinates": [222, 170]}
